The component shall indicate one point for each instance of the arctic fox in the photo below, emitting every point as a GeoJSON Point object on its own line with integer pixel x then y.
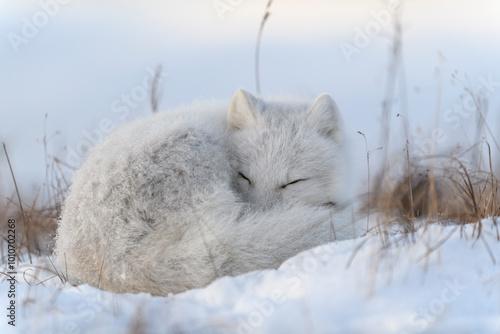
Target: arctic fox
{"type": "Point", "coordinates": [173, 201]}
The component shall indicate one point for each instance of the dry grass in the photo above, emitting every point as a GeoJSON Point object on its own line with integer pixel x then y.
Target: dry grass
{"type": "Point", "coordinates": [451, 188]}
{"type": "Point", "coordinates": [36, 220]}
{"type": "Point", "coordinates": [459, 187]}
{"type": "Point", "coordinates": [442, 192]}
{"type": "Point", "coordinates": [448, 188]}
{"type": "Point", "coordinates": [451, 193]}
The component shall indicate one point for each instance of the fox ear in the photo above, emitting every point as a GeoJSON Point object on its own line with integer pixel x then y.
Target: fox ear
{"type": "Point", "coordinates": [325, 116]}
{"type": "Point", "coordinates": [242, 110]}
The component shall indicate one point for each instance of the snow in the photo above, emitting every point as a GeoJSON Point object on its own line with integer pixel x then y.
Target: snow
{"type": "Point", "coordinates": [352, 286]}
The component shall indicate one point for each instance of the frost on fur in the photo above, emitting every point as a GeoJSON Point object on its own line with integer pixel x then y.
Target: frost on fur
{"type": "Point", "coordinates": [173, 201]}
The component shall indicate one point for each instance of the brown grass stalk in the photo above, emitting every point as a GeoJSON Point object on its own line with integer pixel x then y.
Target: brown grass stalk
{"type": "Point", "coordinates": [26, 226]}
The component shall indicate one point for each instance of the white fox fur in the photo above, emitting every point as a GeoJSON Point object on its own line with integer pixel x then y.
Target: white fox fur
{"type": "Point", "coordinates": [173, 201]}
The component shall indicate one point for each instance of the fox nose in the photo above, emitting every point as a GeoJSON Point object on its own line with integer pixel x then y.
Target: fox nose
{"type": "Point", "coordinates": [265, 199]}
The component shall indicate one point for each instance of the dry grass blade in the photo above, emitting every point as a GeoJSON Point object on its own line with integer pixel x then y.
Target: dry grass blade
{"type": "Point", "coordinates": [9, 276]}
{"type": "Point", "coordinates": [495, 223]}
{"type": "Point", "coordinates": [368, 153]}
{"type": "Point", "coordinates": [257, 47]}
{"type": "Point", "coordinates": [408, 166]}
{"type": "Point", "coordinates": [436, 247]}
{"type": "Point", "coordinates": [138, 324]}
{"type": "Point", "coordinates": [100, 273]}
{"type": "Point", "coordinates": [47, 279]}
{"type": "Point", "coordinates": [58, 273]}
{"type": "Point", "coordinates": [353, 255]}
{"type": "Point", "coordinates": [483, 121]}
{"type": "Point", "coordinates": [332, 226]}
{"type": "Point", "coordinates": [20, 203]}
{"type": "Point", "coordinates": [488, 249]}
{"type": "Point", "coordinates": [154, 90]}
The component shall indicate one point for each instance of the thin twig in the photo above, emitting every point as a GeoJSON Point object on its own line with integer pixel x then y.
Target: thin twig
{"type": "Point", "coordinates": [257, 48]}
{"type": "Point", "coordinates": [368, 152]}
{"type": "Point", "coordinates": [154, 90]}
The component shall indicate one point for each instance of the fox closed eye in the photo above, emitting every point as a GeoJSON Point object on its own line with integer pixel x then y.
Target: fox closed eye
{"type": "Point", "coordinates": [244, 177]}
{"type": "Point", "coordinates": [293, 182]}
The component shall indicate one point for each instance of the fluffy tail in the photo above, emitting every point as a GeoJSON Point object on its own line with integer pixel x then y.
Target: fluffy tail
{"type": "Point", "coordinates": [264, 240]}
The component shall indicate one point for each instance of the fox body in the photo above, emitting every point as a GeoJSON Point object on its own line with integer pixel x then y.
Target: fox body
{"type": "Point", "coordinates": [173, 201]}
